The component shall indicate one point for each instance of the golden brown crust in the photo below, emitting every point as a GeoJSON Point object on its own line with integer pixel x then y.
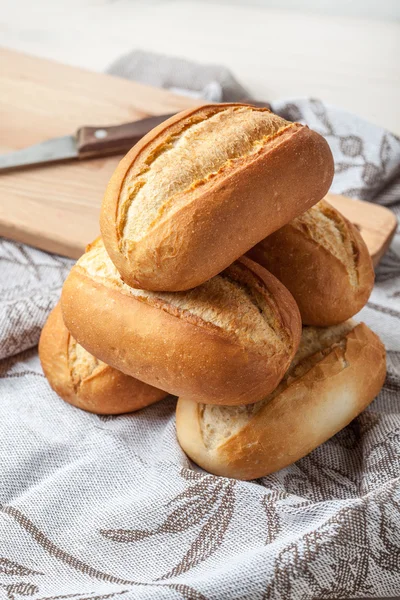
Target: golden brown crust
{"type": "Point", "coordinates": [330, 279]}
{"type": "Point", "coordinates": [309, 410]}
{"type": "Point", "coordinates": [85, 382]}
{"type": "Point", "coordinates": [213, 225]}
{"type": "Point", "coordinates": [203, 355]}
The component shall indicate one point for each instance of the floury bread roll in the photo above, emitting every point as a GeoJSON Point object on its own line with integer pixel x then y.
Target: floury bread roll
{"type": "Point", "coordinates": [202, 188]}
{"type": "Point", "coordinates": [324, 262]}
{"type": "Point", "coordinates": [82, 380]}
{"type": "Point", "coordinates": [336, 373]}
{"type": "Point", "coordinates": [228, 341]}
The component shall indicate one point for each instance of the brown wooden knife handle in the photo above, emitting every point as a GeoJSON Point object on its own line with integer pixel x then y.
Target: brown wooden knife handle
{"type": "Point", "coordinates": [115, 139]}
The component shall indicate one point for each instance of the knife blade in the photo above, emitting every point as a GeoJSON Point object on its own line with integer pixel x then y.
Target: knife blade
{"type": "Point", "coordinates": [87, 142]}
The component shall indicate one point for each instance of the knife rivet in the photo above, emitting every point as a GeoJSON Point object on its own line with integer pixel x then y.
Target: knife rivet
{"type": "Point", "coordinates": [100, 134]}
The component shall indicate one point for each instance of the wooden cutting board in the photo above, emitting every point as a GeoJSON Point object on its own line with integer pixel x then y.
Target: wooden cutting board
{"type": "Point", "coordinates": [56, 208]}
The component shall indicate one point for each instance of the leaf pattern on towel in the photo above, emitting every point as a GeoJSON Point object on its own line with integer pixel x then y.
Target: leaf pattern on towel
{"type": "Point", "coordinates": [389, 267]}
{"type": "Point", "coordinates": [340, 167]}
{"type": "Point", "coordinates": [9, 567]}
{"type": "Point", "coordinates": [24, 307]}
{"type": "Point", "coordinates": [352, 146]}
{"type": "Point", "coordinates": [350, 151]}
{"type": "Point", "coordinates": [385, 151]}
{"type": "Point", "coordinates": [190, 508]}
{"type": "Point", "coordinates": [346, 542]}
{"type": "Point", "coordinates": [211, 535]}
{"type": "Point", "coordinates": [85, 596]}
{"type": "Point", "coordinates": [188, 593]}
{"type": "Point", "coordinates": [208, 503]}
{"type": "Point", "coordinates": [273, 522]}
{"type": "Point", "coordinates": [21, 588]}
{"type": "Point", "coordinates": [319, 111]}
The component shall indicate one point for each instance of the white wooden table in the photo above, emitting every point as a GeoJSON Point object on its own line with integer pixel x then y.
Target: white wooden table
{"type": "Point", "coordinates": [347, 61]}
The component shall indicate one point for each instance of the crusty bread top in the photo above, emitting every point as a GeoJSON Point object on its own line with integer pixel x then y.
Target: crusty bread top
{"type": "Point", "coordinates": [237, 302]}
{"type": "Point", "coordinates": [212, 140]}
{"type": "Point", "coordinates": [218, 423]}
{"type": "Point", "coordinates": [328, 228]}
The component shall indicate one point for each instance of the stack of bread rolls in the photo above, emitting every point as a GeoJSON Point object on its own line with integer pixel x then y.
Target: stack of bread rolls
{"type": "Point", "coordinates": [224, 278]}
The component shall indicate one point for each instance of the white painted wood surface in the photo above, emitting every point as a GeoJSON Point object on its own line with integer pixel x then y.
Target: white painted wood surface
{"type": "Point", "coordinates": [347, 61]}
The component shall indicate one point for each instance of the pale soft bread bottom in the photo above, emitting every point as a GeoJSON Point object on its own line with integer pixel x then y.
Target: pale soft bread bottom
{"type": "Point", "coordinates": [336, 373]}
{"type": "Point", "coordinates": [82, 380]}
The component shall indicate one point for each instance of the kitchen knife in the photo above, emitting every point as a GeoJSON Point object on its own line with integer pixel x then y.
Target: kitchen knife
{"type": "Point", "coordinates": [88, 142]}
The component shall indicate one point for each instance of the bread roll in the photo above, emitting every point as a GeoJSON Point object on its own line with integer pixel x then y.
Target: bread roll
{"type": "Point", "coordinates": [228, 341]}
{"type": "Point", "coordinates": [82, 380]}
{"type": "Point", "coordinates": [336, 373]}
{"type": "Point", "coordinates": [324, 262]}
{"type": "Point", "coordinates": [202, 188]}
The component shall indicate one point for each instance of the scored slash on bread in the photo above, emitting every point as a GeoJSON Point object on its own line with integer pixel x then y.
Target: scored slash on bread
{"type": "Point", "coordinates": [335, 374]}
{"type": "Point", "coordinates": [84, 381]}
{"type": "Point", "coordinates": [201, 189]}
{"type": "Point", "coordinates": [228, 341]}
{"type": "Point", "coordinates": [323, 261]}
